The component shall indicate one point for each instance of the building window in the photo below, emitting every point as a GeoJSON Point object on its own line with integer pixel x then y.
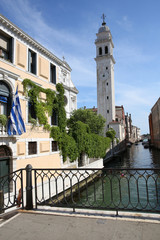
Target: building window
{"type": "Point", "coordinates": [32, 61]}
{"type": "Point", "coordinates": [5, 99]}
{"type": "Point", "coordinates": [116, 119]}
{"type": "Point", "coordinates": [32, 148]}
{"type": "Point", "coordinates": [54, 118]}
{"type": "Point", "coordinates": [107, 111]}
{"type": "Point", "coordinates": [6, 46]}
{"type": "Point", "coordinates": [106, 50]}
{"type": "Point", "coordinates": [107, 83]}
{"type": "Point", "coordinates": [100, 51]}
{"type": "Point", "coordinates": [54, 146]}
{"type": "Point", "coordinates": [53, 73]}
{"type": "Point", "coordinates": [31, 111]}
{"type": "Point", "coordinates": [108, 126]}
{"type": "Point", "coordinates": [65, 100]}
{"type": "Point", "coordinates": [107, 97]}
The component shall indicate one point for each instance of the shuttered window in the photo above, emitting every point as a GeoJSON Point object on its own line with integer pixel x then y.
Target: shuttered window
{"type": "Point", "coordinates": [6, 46]}
{"type": "Point", "coordinates": [53, 73]}
{"type": "Point", "coordinates": [32, 62]}
{"type": "Point", "coordinates": [54, 146]}
{"type": "Point", "coordinates": [32, 148]}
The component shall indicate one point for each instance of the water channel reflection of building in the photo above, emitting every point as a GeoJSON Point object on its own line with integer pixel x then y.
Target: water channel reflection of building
{"type": "Point", "coordinates": [137, 157]}
{"type": "Point", "coordinates": [129, 182]}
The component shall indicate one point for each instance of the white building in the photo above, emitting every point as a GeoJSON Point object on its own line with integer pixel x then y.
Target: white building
{"type": "Point", "coordinates": [105, 74]}
{"type": "Point", "coordinates": [105, 81]}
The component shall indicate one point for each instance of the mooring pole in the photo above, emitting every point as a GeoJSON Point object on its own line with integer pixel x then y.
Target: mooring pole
{"type": "Point", "coordinates": [29, 199]}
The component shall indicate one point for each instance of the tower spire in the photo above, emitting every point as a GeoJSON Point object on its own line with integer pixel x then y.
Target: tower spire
{"type": "Point", "coordinates": [103, 17]}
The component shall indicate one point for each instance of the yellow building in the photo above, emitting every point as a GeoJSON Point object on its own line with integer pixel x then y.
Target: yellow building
{"type": "Point", "coordinates": [22, 57]}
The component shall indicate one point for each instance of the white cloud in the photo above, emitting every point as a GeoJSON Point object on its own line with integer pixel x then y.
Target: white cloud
{"type": "Point", "coordinates": [60, 41]}
{"type": "Point", "coordinates": [125, 23]}
{"type": "Point", "coordinates": [130, 53]}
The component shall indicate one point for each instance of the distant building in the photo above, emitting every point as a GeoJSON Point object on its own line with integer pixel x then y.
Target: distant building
{"type": "Point", "coordinates": [128, 123]}
{"type": "Point", "coordinates": [154, 124]}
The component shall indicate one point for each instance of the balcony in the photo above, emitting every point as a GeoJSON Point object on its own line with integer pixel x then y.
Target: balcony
{"type": "Point", "coordinates": [3, 130]}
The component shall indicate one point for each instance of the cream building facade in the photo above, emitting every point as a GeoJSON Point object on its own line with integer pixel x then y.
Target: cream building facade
{"type": "Point", "coordinates": [21, 57]}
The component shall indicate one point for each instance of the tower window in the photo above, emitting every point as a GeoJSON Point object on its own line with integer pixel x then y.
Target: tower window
{"type": "Point", "coordinates": [107, 97]}
{"type": "Point", "coordinates": [107, 111]}
{"type": "Point", "coordinates": [107, 83]}
{"type": "Point", "coordinates": [100, 51]}
{"type": "Point", "coordinates": [106, 50]}
{"type": "Point", "coordinates": [103, 75]}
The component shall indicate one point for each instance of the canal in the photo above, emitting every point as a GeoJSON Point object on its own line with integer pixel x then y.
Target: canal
{"type": "Point", "coordinates": [123, 185]}
{"type": "Point", "coordinates": [137, 157]}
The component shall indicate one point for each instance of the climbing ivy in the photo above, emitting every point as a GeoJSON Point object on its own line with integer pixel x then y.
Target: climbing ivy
{"type": "Point", "coordinates": [44, 109]}
{"type": "Point", "coordinates": [81, 137]}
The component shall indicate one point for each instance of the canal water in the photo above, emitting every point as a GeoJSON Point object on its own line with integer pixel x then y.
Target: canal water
{"type": "Point", "coordinates": [126, 189]}
{"type": "Point", "coordinates": [137, 157]}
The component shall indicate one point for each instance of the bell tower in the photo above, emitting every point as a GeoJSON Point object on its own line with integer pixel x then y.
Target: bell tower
{"type": "Point", "coordinates": [105, 74]}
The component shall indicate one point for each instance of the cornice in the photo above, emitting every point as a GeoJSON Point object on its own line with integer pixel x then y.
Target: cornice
{"type": "Point", "coordinates": [103, 40]}
{"type": "Point", "coordinates": [72, 89]}
{"type": "Point", "coordinates": [4, 21]}
{"type": "Point", "coordinates": [106, 56]}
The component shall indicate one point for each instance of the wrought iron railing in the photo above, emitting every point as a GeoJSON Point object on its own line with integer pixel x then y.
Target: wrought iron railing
{"type": "Point", "coordinates": [10, 190]}
{"type": "Point", "coordinates": [108, 189]}
{"type": "Point", "coordinates": [105, 189]}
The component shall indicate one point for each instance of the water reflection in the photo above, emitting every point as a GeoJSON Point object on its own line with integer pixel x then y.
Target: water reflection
{"type": "Point", "coordinates": [137, 157]}
{"type": "Point", "coordinates": [126, 189]}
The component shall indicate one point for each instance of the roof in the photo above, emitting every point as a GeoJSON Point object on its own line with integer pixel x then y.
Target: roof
{"type": "Point", "coordinates": [30, 40]}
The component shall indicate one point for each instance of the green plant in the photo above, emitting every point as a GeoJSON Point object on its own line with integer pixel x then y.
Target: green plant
{"type": "Point", "coordinates": [45, 108]}
{"type": "Point", "coordinates": [95, 122]}
{"type": "Point", "coordinates": [3, 120]}
{"type": "Point", "coordinates": [33, 121]}
{"type": "Point", "coordinates": [111, 133]}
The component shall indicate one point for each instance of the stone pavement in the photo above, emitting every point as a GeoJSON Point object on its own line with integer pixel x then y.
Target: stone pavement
{"type": "Point", "coordinates": [45, 225]}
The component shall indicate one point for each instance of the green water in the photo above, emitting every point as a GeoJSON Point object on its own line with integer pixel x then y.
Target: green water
{"type": "Point", "coordinates": [122, 189]}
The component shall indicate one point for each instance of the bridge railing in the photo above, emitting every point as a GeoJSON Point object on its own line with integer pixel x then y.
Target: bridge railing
{"type": "Point", "coordinates": [105, 189]}
{"type": "Point", "coordinates": [10, 190]}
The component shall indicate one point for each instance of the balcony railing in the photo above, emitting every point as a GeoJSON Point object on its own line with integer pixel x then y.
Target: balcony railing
{"type": "Point", "coordinates": [3, 130]}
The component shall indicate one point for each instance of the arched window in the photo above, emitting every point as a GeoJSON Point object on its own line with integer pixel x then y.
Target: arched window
{"type": "Point", "coordinates": [5, 99]}
{"type": "Point", "coordinates": [100, 51]}
{"type": "Point", "coordinates": [106, 49]}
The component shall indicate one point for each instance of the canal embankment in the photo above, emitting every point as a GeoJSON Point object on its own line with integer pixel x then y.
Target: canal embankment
{"type": "Point", "coordinates": [115, 151]}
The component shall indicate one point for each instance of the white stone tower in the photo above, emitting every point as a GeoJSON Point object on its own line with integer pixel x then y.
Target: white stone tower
{"type": "Point", "coordinates": [105, 74]}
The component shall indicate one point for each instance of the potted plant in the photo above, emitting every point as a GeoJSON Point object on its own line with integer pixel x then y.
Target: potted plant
{"type": "Point", "coordinates": [3, 120]}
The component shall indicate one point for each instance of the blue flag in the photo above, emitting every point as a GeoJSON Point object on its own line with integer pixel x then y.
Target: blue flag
{"type": "Point", "coordinates": [15, 124]}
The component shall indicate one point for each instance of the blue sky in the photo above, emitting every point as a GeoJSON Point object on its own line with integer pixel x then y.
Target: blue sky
{"type": "Point", "coordinates": [68, 28]}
